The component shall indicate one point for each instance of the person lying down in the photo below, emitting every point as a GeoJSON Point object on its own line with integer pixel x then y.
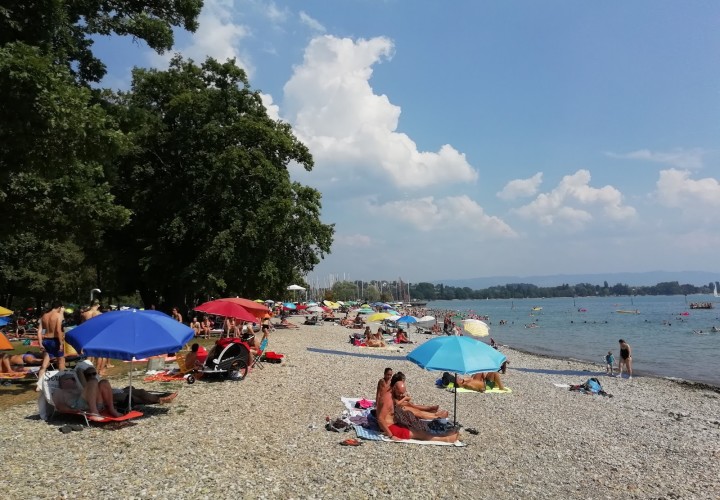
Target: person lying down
{"type": "Point", "coordinates": [479, 382]}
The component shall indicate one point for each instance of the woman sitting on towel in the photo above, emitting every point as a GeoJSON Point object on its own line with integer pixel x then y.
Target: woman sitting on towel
{"type": "Point", "coordinates": [480, 381]}
{"type": "Point", "coordinates": [401, 337]}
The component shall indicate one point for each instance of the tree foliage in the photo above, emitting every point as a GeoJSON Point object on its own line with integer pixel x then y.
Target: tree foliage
{"type": "Point", "coordinates": [214, 208]}
{"type": "Point", "coordinates": [63, 29]}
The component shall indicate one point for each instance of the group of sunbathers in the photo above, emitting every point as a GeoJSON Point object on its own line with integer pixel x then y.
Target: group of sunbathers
{"type": "Point", "coordinates": [400, 418]}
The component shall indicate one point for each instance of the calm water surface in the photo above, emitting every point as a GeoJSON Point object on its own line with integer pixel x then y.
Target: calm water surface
{"type": "Point", "coordinates": [661, 335]}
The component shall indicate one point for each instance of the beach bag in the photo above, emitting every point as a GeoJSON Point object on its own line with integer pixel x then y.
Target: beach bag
{"type": "Point", "coordinates": [593, 385]}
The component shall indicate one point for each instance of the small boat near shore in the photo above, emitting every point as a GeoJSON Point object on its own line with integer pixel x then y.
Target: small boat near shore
{"type": "Point", "coordinates": [628, 311]}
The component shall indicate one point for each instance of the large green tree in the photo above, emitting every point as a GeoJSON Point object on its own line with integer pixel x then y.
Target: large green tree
{"type": "Point", "coordinates": [64, 28]}
{"type": "Point", "coordinates": [54, 197]}
{"type": "Point", "coordinates": [214, 208]}
{"type": "Point", "coordinates": [56, 142]}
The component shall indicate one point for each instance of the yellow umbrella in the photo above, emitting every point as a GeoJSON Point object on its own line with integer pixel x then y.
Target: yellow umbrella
{"type": "Point", "coordinates": [5, 312]}
{"type": "Point", "coordinates": [331, 304]}
{"type": "Point", "coordinates": [378, 316]}
{"type": "Point", "coordinates": [476, 328]}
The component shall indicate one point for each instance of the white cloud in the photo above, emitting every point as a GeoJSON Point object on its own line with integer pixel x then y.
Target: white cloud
{"type": "Point", "coordinates": [273, 110]}
{"type": "Point", "coordinates": [572, 201]}
{"type": "Point", "coordinates": [276, 14]}
{"type": "Point", "coordinates": [453, 212]}
{"type": "Point", "coordinates": [311, 23]}
{"type": "Point", "coordinates": [353, 240]}
{"type": "Point", "coordinates": [333, 109]}
{"type": "Point", "coordinates": [521, 188]}
{"type": "Point", "coordinates": [676, 189]}
{"type": "Point", "coordinates": [217, 36]}
{"type": "Point", "coordinates": [681, 158]}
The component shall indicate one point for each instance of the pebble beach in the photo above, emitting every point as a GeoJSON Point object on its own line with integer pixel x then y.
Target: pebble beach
{"type": "Point", "coordinates": [264, 437]}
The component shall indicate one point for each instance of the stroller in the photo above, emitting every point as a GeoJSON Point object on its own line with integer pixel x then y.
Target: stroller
{"type": "Point", "coordinates": [229, 358]}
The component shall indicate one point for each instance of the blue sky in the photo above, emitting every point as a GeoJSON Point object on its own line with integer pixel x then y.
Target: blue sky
{"type": "Point", "coordinates": [485, 138]}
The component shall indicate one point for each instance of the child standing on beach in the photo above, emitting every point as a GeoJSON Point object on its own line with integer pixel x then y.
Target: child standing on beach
{"type": "Point", "coordinates": [609, 363]}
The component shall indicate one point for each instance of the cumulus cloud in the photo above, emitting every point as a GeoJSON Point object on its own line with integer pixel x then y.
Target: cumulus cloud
{"type": "Point", "coordinates": [521, 188]}
{"type": "Point", "coordinates": [353, 240]}
{"type": "Point", "coordinates": [573, 201]}
{"type": "Point", "coordinates": [217, 36]}
{"type": "Point", "coordinates": [273, 110]}
{"type": "Point", "coordinates": [455, 212]}
{"type": "Point", "coordinates": [334, 110]}
{"type": "Point", "coordinates": [681, 158]}
{"type": "Point", "coordinates": [311, 23]}
{"type": "Point", "coordinates": [676, 189]}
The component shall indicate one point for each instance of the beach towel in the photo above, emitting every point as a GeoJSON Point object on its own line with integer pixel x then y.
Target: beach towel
{"type": "Point", "coordinates": [372, 435]}
{"type": "Point", "coordinates": [451, 388]}
{"type": "Point", "coordinates": [165, 377]}
{"type": "Point", "coordinates": [350, 403]}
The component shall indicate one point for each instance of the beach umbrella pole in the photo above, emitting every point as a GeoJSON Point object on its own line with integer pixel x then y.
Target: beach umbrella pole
{"type": "Point", "coordinates": [455, 403]}
{"type": "Point", "coordinates": [130, 378]}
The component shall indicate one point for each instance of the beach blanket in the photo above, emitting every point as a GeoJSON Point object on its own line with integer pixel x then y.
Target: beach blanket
{"type": "Point", "coordinates": [373, 435]}
{"type": "Point", "coordinates": [165, 377]}
{"type": "Point", "coordinates": [451, 388]}
{"type": "Point", "coordinates": [350, 403]}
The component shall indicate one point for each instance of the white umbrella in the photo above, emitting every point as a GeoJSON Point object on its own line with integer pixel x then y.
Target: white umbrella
{"type": "Point", "coordinates": [476, 328]}
{"type": "Point", "coordinates": [295, 287]}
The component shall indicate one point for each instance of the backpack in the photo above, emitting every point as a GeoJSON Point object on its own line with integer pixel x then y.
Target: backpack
{"type": "Point", "coordinates": [591, 386]}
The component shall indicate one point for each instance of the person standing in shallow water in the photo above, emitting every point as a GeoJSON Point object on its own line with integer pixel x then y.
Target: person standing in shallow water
{"type": "Point", "coordinates": [625, 358]}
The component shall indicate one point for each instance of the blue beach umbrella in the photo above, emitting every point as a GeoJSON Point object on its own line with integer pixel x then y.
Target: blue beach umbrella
{"type": "Point", "coordinates": [289, 305]}
{"type": "Point", "coordinates": [4, 321]}
{"type": "Point", "coordinates": [407, 319]}
{"type": "Point", "coordinates": [458, 355]}
{"type": "Point", "coordinates": [129, 335]}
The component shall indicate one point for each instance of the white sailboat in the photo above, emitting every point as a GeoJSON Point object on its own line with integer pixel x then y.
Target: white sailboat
{"type": "Point", "coordinates": [715, 294]}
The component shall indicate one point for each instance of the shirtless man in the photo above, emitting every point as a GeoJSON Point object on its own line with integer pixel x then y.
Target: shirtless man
{"type": "Point", "coordinates": [403, 400]}
{"type": "Point", "coordinates": [176, 315]}
{"type": "Point", "coordinates": [100, 363]}
{"type": "Point", "coordinates": [386, 422]}
{"type": "Point", "coordinates": [478, 381]}
{"type": "Point", "coordinates": [384, 383]}
{"type": "Point", "coordinates": [53, 341]}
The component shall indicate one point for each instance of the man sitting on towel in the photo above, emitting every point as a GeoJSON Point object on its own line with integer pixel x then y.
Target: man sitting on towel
{"type": "Point", "coordinates": [403, 400]}
{"type": "Point", "coordinates": [480, 381]}
{"type": "Point", "coordinates": [386, 422]}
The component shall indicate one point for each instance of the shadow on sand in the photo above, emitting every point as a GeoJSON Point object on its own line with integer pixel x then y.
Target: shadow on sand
{"type": "Point", "coordinates": [357, 355]}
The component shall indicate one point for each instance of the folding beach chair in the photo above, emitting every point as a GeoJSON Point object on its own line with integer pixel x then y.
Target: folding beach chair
{"type": "Point", "coordinates": [263, 347]}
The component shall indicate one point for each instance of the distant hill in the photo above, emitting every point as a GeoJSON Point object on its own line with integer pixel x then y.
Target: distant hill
{"type": "Point", "coordinates": [697, 278]}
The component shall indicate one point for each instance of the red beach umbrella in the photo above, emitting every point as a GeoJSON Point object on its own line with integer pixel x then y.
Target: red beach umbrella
{"type": "Point", "coordinates": [222, 307]}
{"type": "Point", "coordinates": [254, 307]}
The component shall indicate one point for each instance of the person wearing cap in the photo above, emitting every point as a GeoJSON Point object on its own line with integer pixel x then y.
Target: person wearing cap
{"type": "Point", "coordinates": [93, 396]}
{"type": "Point", "coordinates": [87, 376]}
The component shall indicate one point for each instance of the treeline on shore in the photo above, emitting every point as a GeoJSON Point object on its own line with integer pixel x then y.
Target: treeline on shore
{"type": "Point", "coordinates": [429, 291]}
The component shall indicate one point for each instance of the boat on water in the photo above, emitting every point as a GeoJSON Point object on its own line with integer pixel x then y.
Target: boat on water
{"type": "Point", "coordinates": [715, 293]}
{"type": "Point", "coordinates": [628, 311]}
{"type": "Point", "coordinates": [701, 305]}
{"type": "Point", "coordinates": [537, 308]}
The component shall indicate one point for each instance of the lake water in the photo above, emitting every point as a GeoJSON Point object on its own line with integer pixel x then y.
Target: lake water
{"type": "Point", "coordinates": [661, 335]}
